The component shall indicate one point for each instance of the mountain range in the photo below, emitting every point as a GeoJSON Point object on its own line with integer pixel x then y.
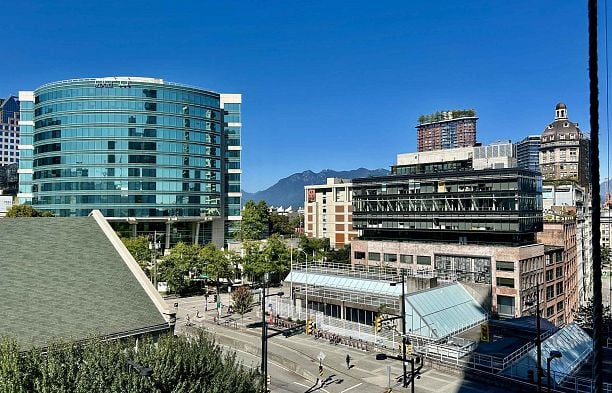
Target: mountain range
{"type": "Point", "coordinates": [290, 190]}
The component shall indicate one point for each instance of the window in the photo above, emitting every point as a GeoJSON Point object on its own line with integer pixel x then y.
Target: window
{"type": "Point", "coordinates": [505, 282]}
{"type": "Point", "coordinates": [559, 271]}
{"type": "Point", "coordinates": [359, 255]}
{"type": "Point", "coordinates": [390, 257]}
{"type": "Point", "coordinates": [559, 288]}
{"type": "Point", "coordinates": [549, 275]}
{"type": "Point", "coordinates": [505, 266]}
{"type": "Point", "coordinates": [550, 311]}
{"type": "Point", "coordinates": [559, 306]}
{"type": "Point", "coordinates": [550, 292]}
{"type": "Point", "coordinates": [406, 258]}
{"type": "Point", "coordinates": [374, 256]}
{"type": "Point", "coordinates": [423, 260]}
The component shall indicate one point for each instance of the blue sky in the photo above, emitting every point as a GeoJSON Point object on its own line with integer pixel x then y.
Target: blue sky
{"type": "Point", "coordinates": [326, 84]}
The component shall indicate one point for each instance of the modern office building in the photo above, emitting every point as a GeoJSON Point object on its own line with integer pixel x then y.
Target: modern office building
{"type": "Point", "coordinates": [528, 153]}
{"type": "Point", "coordinates": [9, 130]}
{"type": "Point", "coordinates": [564, 150]}
{"type": "Point", "coordinates": [328, 211]}
{"type": "Point", "coordinates": [446, 130]}
{"type": "Point", "coordinates": [438, 215]}
{"type": "Point", "coordinates": [151, 155]}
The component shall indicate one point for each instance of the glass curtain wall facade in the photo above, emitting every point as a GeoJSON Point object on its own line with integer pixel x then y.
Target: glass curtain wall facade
{"type": "Point", "coordinates": [231, 104]}
{"type": "Point", "coordinates": [130, 147]}
{"type": "Point", "coordinates": [499, 205]}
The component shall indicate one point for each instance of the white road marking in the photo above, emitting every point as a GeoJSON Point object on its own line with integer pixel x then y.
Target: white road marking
{"type": "Point", "coordinates": [308, 387]}
{"type": "Point", "coordinates": [352, 387]}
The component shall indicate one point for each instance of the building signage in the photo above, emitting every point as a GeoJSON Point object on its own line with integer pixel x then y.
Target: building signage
{"type": "Point", "coordinates": [311, 195]}
{"type": "Point", "coordinates": [101, 83]}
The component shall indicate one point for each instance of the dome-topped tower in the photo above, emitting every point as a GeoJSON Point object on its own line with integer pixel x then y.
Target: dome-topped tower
{"type": "Point", "coordinates": [561, 112]}
{"type": "Point", "coordinates": [564, 150]}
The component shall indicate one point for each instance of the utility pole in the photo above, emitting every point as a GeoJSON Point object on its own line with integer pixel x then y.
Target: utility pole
{"type": "Point", "coordinates": [539, 337]}
{"type": "Point", "coordinates": [403, 312]}
{"type": "Point", "coordinates": [264, 336]}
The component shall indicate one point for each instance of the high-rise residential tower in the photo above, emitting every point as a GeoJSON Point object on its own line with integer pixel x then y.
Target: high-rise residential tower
{"type": "Point", "coordinates": [9, 130]}
{"type": "Point", "coordinates": [151, 155]}
{"type": "Point", "coordinates": [447, 130]}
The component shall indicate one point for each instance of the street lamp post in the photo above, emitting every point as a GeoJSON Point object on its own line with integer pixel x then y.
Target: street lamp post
{"type": "Point", "coordinates": [306, 283]}
{"type": "Point", "coordinates": [552, 355]}
{"type": "Point", "coordinates": [264, 333]}
{"type": "Point", "coordinates": [403, 315]}
{"type": "Point", "coordinates": [539, 335]}
{"type": "Point", "coordinates": [154, 246]}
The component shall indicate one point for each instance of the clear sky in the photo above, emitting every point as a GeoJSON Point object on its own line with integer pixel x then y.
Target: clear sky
{"type": "Point", "coordinates": [326, 84]}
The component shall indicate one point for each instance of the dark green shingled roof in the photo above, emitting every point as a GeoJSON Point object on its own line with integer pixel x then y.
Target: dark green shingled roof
{"type": "Point", "coordinates": [61, 277]}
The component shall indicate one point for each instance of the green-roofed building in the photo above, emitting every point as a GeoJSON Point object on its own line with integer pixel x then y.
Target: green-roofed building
{"type": "Point", "coordinates": [70, 278]}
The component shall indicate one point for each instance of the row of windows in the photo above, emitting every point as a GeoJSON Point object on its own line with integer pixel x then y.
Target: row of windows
{"type": "Point", "coordinates": [118, 199]}
{"type": "Point", "coordinates": [449, 186]}
{"type": "Point", "coordinates": [130, 212]}
{"type": "Point", "coordinates": [120, 132]}
{"type": "Point", "coordinates": [161, 173]}
{"type": "Point", "coordinates": [92, 159]}
{"type": "Point", "coordinates": [163, 147]}
{"type": "Point", "coordinates": [122, 185]}
{"type": "Point", "coordinates": [457, 222]}
{"type": "Point", "coordinates": [114, 118]}
{"type": "Point", "coordinates": [165, 93]}
{"type": "Point", "coordinates": [131, 105]}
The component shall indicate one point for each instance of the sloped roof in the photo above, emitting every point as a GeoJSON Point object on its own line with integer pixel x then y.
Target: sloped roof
{"type": "Point", "coordinates": [64, 277]}
{"type": "Point", "coordinates": [574, 344]}
{"type": "Point", "coordinates": [442, 311]}
{"type": "Point", "coordinates": [345, 283]}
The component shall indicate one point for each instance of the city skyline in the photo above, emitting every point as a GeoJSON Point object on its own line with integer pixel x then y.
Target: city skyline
{"type": "Point", "coordinates": [313, 78]}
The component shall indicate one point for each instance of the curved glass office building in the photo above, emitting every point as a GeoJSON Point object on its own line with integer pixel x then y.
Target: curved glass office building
{"type": "Point", "coordinates": [158, 156]}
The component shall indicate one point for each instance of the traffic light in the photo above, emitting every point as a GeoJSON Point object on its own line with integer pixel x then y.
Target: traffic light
{"type": "Point", "coordinates": [309, 326]}
{"type": "Point", "coordinates": [378, 323]}
{"type": "Point", "coordinates": [484, 332]}
{"type": "Point", "coordinates": [269, 379]}
{"type": "Point", "coordinates": [409, 348]}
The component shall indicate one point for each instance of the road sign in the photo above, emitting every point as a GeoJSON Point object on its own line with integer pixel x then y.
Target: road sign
{"type": "Point", "coordinates": [321, 356]}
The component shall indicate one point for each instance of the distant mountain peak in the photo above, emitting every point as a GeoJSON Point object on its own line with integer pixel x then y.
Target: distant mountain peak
{"type": "Point", "coordinates": [289, 191]}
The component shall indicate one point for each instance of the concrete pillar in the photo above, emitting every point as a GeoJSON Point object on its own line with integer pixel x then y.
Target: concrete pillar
{"type": "Point", "coordinates": [134, 230]}
{"type": "Point", "coordinates": [218, 232]}
{"type": "Point", "coordinates": [168, 225]}
{"type": "Point", "coordinates": [196, 237]}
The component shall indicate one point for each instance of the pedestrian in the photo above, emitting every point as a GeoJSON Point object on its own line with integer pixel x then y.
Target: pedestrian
{"type": "Point", "coordinates": [348, 362]}
{"type": "Point", "coordinates": [197, 313]}
{"type": "Point", "coordinates": [188, 321]}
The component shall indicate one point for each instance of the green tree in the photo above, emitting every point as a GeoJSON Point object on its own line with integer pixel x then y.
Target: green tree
{"type": "Point", "coordinates": [175, 268]}
{"type": "Point", "coordinates": [342, 255]}
{"type": "Point", "coordinates": [254, 261]}
{"type": "Point", "coordinates": [280, 224]}
{"type": "Point", "coordinates": [27, 211]}
{"type": "Point", "coordinates": [316, 248]}
{"type": "Point", "coordinates": [179, 364]}
{"type": "Point", "coordinates": [254, 223]}
{"type": "Point", "coordinates": [215, 264]}
{"type": "Point", "coordinates": [139, 248]}
{"type": "Point", "coordinates": [242, 301]}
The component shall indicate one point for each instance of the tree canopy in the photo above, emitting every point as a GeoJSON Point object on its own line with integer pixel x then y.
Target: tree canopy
{"type": "Point", "coordinates": [179, 364]}
{"type": "Point", "coordinates": [27, 211]}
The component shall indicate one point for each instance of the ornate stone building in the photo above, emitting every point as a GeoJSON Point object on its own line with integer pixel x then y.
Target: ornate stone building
{"type": "Point", "coordinates": [564, 150]}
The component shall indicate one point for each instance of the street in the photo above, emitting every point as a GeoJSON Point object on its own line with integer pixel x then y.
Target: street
{"type": "Point", "coordinates": [293, 361]}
